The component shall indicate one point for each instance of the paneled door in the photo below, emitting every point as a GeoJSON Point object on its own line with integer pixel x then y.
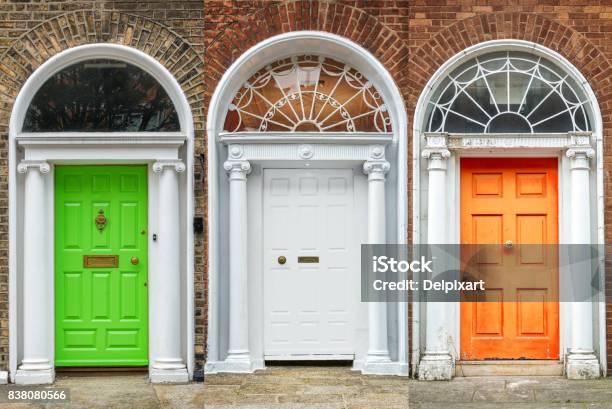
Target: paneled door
{"type": "Point", "coordinates": [511, 202]}
{"type": "Point", "coordinates": [101, 305]}
{"type": "Point", "coordinates": [311, 264]}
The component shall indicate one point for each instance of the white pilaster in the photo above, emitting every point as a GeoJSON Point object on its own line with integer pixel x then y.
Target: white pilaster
{"type": "Point", "coordinates": [36, 366]}
{"type": "Point", "coordinates": [378, 360]}
{"type": "Point", "coordinates": [437, 363]}
{"type": "Point", "coordinates": [167, 365]}
{"type": "Point", "coordinates": [238, 354]}
{"type": "Point", "coordinates": [581, 362]}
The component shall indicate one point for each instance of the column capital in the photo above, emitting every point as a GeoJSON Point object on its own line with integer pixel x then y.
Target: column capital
{"type": "Point", "coordinates": [436, 150]}
{"type": "Point", "coordinates": [580, 151]}
{"type": "Point", "coordinates": [25, 165]}
{"type": "Point", "coordinates": [376, 169]}
{"type": "Point", "coordinates": [160, 165]}
{"type": "Point", "coordinates": [576, 152]}
{"type": "Point", "coordinates": [237, 169]}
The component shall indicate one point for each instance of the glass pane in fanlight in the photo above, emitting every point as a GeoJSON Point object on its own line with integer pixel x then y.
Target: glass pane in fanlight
{"type": "Point", "coordinates": [568, 93]}
{"type": "Point", "coordinates": [468, 74]}
{"type": "Point", "coordinates": [100, 96]}
{"type": "Point", "coordinates": [509, 122]}
{"type": "Point", "coordinates": [458, 124]}
{"type": "Point", "coordinates": [560, 123]}
{"type": "Point", "coordinates": [499, 89]}
{"type": "Point", "coordinates": [479, 91]}
{"type": "Point", "coordinates": [465, 106]}
{"type": "Point", "coordinates": [287, 81]}
{"type": "Point", "coordinates": [536, 93]}
{"type": "Point", "coordinates": [518, 88]}
{"type": "Point", "coordinates": [494, 61]}
{"type": "Point", "coordinates": [520, 61]}
{"type": "Point", "coordinates": [550, 108]}
{"type": "Point", "coordinates": [436, 118]}
{"type": "Point", "coordinates": [580, 119]}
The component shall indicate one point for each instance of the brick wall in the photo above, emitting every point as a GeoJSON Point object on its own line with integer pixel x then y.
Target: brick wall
{"type": "Point", "coordinates": [413, 38]}
{"type": "Point", "coordinates": [32, 31]}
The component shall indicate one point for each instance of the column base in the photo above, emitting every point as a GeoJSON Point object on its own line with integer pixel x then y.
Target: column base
{"type": "Point", "coordinates": [238, 361]}
{"type": "Point", "coordinates": [157, 375]}
{"type": "Point", "coordinates": [215, 367]}
{"type": "Point", "coordinates": [379, 363]}
{"type": "Point", "coordinates": [34, 377]}
{"type": "Point", "coordinates": [582, 365]}
{"type": "Point", "coordinates": [436, 367]}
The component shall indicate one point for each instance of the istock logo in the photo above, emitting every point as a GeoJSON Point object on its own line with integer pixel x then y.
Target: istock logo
{"type": "Point", "coordinates": [383, 264]}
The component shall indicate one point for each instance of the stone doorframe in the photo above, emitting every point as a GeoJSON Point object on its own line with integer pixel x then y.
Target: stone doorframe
{"type": "Point", "coordinates": [582, 341]}
{"type": "Point", "coordinates": [230, 328]}
{"type": "Point", "coordinates": [575, 151]}
{"type": "Point", "coordinates": [31, 217]}
{"type": "Point", "coordinates": [307, 152]}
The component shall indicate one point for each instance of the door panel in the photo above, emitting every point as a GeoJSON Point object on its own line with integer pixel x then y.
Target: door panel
{"type": "Point", "coordinates": [309, 307]}
{"type": "Point", "coordinates": [101, 312]}
{"type": "Point", "coordinates": [508, 199]}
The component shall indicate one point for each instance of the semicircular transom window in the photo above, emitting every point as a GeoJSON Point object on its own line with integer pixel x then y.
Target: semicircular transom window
{"type": "Point", "coordinates": [307, 94]}
{"type": "Point", "coordinates": [101, 95]}
{"type": "Point", "coordinates": [508, 92]}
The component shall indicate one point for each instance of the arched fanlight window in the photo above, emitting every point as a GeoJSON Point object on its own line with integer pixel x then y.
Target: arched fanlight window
{"type": "Point", "coordinates": [101, 95]}
{"type": "Point", "coordinates": [508, 92]}
{"type": "Point", "coordinates": [307, 94]}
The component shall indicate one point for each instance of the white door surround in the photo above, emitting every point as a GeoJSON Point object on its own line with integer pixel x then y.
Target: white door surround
{"type": "Point", "coordinates": [247, 159]}
{"type": "Point", "coordinates": [235, 332]}
{"type": "Point", "coordinates": [436, 168]}
{"type": "Point", "coordinates": [170, 192]}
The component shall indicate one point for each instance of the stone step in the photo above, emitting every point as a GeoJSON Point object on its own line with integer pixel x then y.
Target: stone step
{"type": "Point", "coordinates": [509, 368]}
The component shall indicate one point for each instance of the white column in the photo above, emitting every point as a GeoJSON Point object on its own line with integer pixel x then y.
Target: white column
{"type": "Point", "coordinates": [167, 364]}
{"type": "Point", "coordinates": [238, 354]}
{"type": "Point", "coordinates": [36, 366]}
{"type": "Point", "coordinates": [377, 360]}
{"type": "Point", "coordinates": [581, 362]}
{"type": "Point", "coordinates": [437, 363]}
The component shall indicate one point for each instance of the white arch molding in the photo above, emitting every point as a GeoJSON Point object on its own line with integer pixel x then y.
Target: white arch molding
{"type": "Point", "coordinates": [272, 49]}
{"type": "Point", "coordinates": [556, 145]}
{"type": "Point", "coordinates": [160, 148]}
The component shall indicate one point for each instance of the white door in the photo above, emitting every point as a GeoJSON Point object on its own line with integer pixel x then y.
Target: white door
{"type": "Point", "coordinates": [310, 301]}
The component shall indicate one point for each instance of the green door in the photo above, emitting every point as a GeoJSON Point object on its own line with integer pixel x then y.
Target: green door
{"type": "Point", "coordinates": [101, 304]}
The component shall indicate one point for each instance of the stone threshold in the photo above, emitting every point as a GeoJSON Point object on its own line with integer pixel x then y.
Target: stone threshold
{"type": "Point", "coordinates": [509, 368]}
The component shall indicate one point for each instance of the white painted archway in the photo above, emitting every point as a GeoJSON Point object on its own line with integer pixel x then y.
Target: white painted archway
{"type": "Point", "coordinates": [170, 357]}
{"type": "Point", "coordinates": [272, 49]}
{"type": "Point", "coordinates": [448, 148]}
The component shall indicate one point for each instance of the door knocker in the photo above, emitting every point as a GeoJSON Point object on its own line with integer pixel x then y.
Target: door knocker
{"type": "Point", "coordinates": [101, 220]}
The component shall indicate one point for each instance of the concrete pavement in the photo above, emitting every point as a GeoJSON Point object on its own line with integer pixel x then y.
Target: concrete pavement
{"type": "Point", "coordinates": [333, 387]}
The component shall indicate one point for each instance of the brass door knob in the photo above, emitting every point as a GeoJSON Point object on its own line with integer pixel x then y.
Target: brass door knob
{"type": "Point", "coordinates": [509, 244]}
{"type": "Point", "coordinates": [134, 260]}
{"type": "Point", "coordinates": [282, 260]}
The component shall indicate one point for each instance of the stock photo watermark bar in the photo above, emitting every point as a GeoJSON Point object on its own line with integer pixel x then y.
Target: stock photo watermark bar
{"type": "Point", "coordinates": [482, 273]}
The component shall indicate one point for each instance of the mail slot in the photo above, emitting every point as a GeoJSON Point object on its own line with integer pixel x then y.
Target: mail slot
{"type": "Point", "coordinates": [308, 259]}
{"type": "Point", "coordinates": [100, 261]}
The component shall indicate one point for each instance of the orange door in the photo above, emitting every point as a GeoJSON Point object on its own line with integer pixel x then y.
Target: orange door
{"type": "Point", "coordinates": [513, 200]}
